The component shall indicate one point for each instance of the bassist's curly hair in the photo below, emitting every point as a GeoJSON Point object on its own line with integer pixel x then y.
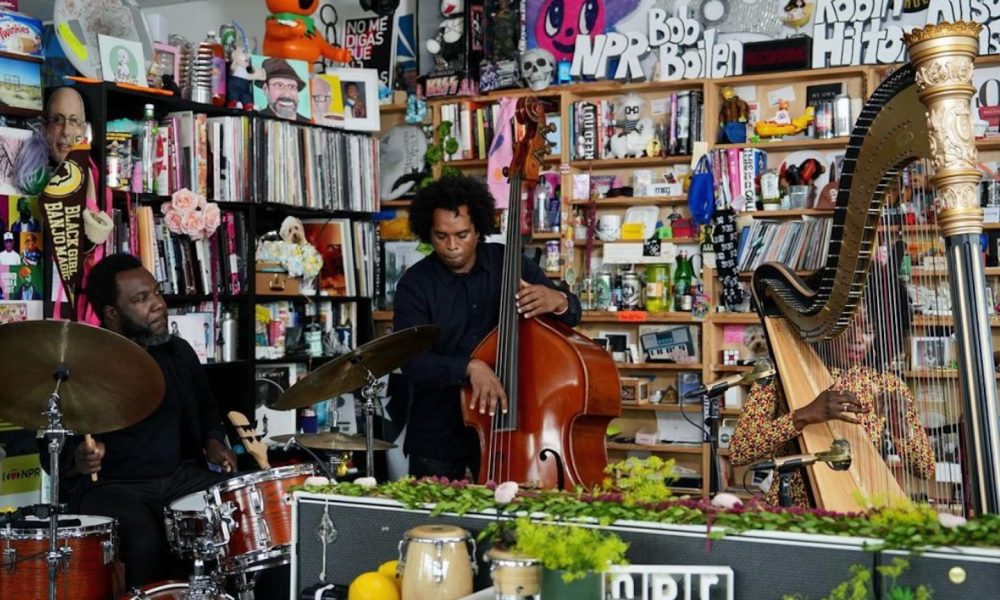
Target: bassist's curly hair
{"type": "Point", "coordinates": [450, 193]}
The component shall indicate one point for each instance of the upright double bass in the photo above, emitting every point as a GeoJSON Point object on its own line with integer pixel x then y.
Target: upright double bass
{"type": "Point", "coordinates": [562, 388]}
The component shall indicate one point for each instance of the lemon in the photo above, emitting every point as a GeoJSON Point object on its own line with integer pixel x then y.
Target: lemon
{"type": "Point", "coordinates": [373, 586]}
{"type": "Point", "coordinates": [388, 568]}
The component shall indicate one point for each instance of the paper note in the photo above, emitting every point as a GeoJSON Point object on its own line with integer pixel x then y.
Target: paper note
{"type": "Point", "coordinates": [732, 334]}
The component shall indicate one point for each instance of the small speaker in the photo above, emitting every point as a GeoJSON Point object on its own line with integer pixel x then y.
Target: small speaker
{"type": "Point", "coordinates": [726, 432]}
{"type": "Point", "coordinates": [380, 7]}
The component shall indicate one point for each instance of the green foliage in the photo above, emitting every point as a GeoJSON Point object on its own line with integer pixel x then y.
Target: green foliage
{"type": "Point", "coordinates": [641, 480]}
{"type": "Point", "coordinates": [574, 550]}
{"type": "Point", "coordinates": [444, 144]}
{"type": "Point", "coordinates": [859, 586]}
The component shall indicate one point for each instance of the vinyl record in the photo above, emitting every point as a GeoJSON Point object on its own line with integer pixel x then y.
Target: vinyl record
{"type": "Point", "coordinates": [78, 24]}
{"type": "Point", "coordinates": [401, 160]}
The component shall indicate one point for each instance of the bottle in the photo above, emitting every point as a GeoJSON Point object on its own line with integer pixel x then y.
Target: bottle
{"type": "Point", "coordinates": [682, 282]}
{"type": "Point", "coordinates": [218, 76]}
{"type": "Point", "coordinates": [228, 336]}
{"type": "Point", "coordinates": [150, 133]}
{"type": "Point", "coordinates": [314, 338]}
{"type": "Point", "coordinates": [541, 202]}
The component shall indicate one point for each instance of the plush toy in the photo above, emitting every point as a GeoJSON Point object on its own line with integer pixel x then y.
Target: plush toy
{"type": "Point", "coordinates": [448, 44]}
{"type": "Point", "coordinates": [633, 133]}
{"type": "Point", "coordinates": [290, 32]}
{"type": "Point", "coordinates": [292, 231]}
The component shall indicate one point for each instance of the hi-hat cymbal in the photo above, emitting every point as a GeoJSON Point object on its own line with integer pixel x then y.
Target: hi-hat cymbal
{"type": "Point", "coordinates": [112, 382]}
{"type": "Point", "coordinates": [349, 372]}
{"type": "Point", "coordinates": [332, 440]}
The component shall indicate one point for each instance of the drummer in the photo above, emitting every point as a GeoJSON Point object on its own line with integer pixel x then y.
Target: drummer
{"type": "Point", "coordinates": [144, 467]}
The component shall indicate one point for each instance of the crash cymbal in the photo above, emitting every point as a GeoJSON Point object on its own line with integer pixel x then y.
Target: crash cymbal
{"type": "Point", "coordinates": [332, 440]}
{"type": "Point", "coordinates": [349, 372]}
{"type": "Point", "coordinates": [112, 382]}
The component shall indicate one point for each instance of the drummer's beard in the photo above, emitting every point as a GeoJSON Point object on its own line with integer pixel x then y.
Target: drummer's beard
{"type": "Point", "coordinates": [143, 334]}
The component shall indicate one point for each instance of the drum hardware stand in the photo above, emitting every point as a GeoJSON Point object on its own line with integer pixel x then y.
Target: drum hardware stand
{"type": "Point", "coordinates": [321, 464]}
{"type": "Point", "coordinates": [371, 389]}
{"type": "Point", "coordinates": [56, 434]}
{"type": "Point", "coordinates": [245, 583]}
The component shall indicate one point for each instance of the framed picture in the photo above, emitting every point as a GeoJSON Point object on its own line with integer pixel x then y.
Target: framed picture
{"type": "Point", "coordinates": [284, 90]}
{"type": "Point", "coordinates": [359, 89]}
{"type": "Point", "coordinates": [166, 61]}
{"type": "Point", "coordinates": [122, 61]}
{"type": "Point", "coordinates": [20, 85]}
{"type": "Point", "coordinates": [198, 330]}
{"type": "Point", "coordinates": [327, 101]}
{"type": "Point", "coordinates": [11, 142]}
{"type": "Point", "coordinates": [930, 353]}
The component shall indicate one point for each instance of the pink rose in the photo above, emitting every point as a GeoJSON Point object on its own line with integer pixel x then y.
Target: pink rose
{"type": "Point", "coordinates": [166, 208]}
{"type": "Point", "coordinates": [184, 200]}
{"type": "Point", "coordinates": [173, 219]}
{"type": "Point", "coordinates": [212, 216]}
{"type": "Point", "coordinates": [193, 225]}
{"type": "Point", "coordinates": [951, 521]}
{"type": "Point", "coordinates": [726, 500]}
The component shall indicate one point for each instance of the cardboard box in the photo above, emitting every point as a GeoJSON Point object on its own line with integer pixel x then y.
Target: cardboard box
{"type": "Point", "coordinates": [20, 34]}
{"type": "Point", "coordinates": [272, 279]}
{"type": "Point", "coordinates": [635, 390]}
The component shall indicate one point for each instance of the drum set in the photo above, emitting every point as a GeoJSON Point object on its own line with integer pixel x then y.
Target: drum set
{"type": "Point", "coordinates": [96, 381]}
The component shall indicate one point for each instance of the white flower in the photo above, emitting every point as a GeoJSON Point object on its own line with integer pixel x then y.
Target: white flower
{"type": "Point", "coordinates": [316, 480]}
{"type": "Point", "coordinates": [366, 482]}
{"type": "Point", "coordinates": [505, 492]}
{"type": "Point", "coordinates": [726, 500]}
{"type": "Point", "coordinates": [950, 521]}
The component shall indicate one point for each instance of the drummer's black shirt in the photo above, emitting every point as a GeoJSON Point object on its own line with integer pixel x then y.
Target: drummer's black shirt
{"type": "Point", "coordinates": [466, 307]}
{"type": "Point", "coordinates": [176, 431]}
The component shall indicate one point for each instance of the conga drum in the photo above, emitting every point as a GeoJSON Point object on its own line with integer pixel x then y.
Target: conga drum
{"type": "Point", "coordinates": [515, 576]}
{"type": "Point", "coordinates": [437, 562]}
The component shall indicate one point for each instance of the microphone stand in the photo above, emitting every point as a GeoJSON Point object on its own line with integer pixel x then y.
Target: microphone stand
{"type": "Point", "coordinates": [785, 484]}
{"type": "Point", "coordinates": [710, 435]}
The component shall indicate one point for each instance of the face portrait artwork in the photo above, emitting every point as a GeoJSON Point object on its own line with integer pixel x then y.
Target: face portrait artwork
{"type": "Point", "coordinates": [326, 99]}
{"type": "Point", "coordinates": [122, 61]}
{"type": "Point", "coordinates": [284, 92]}
{"type": "Point", "coordinates": [354, 100]}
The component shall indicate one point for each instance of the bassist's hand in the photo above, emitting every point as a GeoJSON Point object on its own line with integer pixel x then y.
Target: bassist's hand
{"type": "Point", "coordinates": [534, 300]}
{"type": "Point", "coordinates": [486, 388]}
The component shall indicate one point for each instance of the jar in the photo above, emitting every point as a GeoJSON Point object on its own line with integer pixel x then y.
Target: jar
{"type": "Point", "coordinates": [657, 287]}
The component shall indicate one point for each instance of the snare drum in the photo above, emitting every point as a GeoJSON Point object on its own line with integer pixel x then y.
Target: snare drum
{"type": "Point", "coordinates": [86, 572]}
{"type": "Point", "coordinates": [189, 522]}
{"type": "Point", "coordinates": [255, 513]}
{"type": "Point", "coordinates": [170, 590]}
{"type": "Point", "coordinates": [515, 577]}
{"type": "Point", "coordinates": [437, 562]}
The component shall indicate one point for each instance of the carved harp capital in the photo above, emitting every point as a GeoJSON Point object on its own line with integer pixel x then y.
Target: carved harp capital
{"type": "Point", "coordinates": [942, 56]}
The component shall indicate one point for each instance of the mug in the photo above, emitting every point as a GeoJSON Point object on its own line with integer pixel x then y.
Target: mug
{"type": "Point", "coordinates": [609, 227]}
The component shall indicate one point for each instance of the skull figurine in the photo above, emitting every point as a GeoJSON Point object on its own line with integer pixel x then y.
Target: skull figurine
{"type": "Point", "coordinates": [537, 68]}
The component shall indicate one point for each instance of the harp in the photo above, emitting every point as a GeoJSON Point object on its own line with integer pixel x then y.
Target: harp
{"type": "Point", "coordinates": [920, 112]}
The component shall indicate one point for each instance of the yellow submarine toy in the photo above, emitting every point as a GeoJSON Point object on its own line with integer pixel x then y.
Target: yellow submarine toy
{"type": "Point", "coordinates": [775, 129]}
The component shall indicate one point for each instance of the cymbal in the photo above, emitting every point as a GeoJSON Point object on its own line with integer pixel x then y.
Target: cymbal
{"type": "Point", "coordinates": [332, 440]}
{"type": "Point", "coordinates": [112, 382]}
{"type": "Point", "coordinates": [349, 372]}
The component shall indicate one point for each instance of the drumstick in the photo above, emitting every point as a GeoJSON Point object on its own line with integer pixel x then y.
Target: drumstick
{"type": "Point", "coordinates": [87, 439]}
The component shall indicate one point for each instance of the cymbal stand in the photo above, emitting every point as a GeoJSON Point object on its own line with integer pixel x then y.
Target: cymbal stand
{"type": "Point", "coordinates": [55, 434]}
{"type": "Point", "coordinates": [371, 389]}
{"type": "Point", "coordinates": [201, 584]}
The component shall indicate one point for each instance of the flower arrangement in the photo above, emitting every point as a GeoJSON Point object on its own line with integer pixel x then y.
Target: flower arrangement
{"type": "Point", "coordinates": [576, 551]}
{"type": "Point", "coordinates": [189, 214]}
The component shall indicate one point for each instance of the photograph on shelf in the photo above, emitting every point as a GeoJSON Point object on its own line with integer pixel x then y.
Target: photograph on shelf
{"type": "Point", "coordinates": [284, 90]}
{"type": "Point", "coordinates": [166, 61]}
{"type": "Point", "coordinates": [398, 257]}
{"type": "Point", "coordinates": [22, 215]}
{"type": "Point", "coordinates": [330, 237]}
{"type": "Point", "coordinates": [671, 344]}
{"type": "Point", "coordinates": [122, 61]}
{"type": "Point", "coordinates": [13, 311]}
{"type": "Point", "coordinates": [20, 84]}
{"type": "Point", "coordinates": [928, 353]}
{"type": "Point", "coordinates": [198, 330]}
{"type": "Point", "coordinates": [18, 281]}
{"type": "Point", "coordinates": [11, 142]}
{"type": "Point", "coordinates": [359, 89]}
{"type": "Point", "coordinates": [327, 101]}
{"type": "Point", "coordinates": [270, 382]}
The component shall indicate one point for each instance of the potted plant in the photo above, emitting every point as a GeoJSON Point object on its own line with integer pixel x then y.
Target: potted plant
{"type": "Point", "coordinates": [572, 556]}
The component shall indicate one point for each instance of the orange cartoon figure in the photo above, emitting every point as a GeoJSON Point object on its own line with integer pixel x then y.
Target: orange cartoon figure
{"type": "Point", "coordinates": [290, 32]}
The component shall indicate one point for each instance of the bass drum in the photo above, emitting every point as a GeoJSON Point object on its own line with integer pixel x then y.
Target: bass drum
{"type": "Point", "coordinates": [169, 590]}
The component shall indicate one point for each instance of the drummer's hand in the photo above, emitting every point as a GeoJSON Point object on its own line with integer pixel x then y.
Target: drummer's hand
{"type": "Point", "coordinates": [88, 457]}
{"type": "Point", "coordinates": [534, 300]}
{"type": "Point", "coordinates": [216, 452]}
{"type": "Point", "coordinates": [486, 388]}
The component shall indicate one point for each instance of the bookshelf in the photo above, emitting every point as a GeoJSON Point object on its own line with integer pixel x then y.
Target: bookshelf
{"type": "Point", "coordinates": [717, 331]}
{"type": "Point", "coordinates": [258, 198]}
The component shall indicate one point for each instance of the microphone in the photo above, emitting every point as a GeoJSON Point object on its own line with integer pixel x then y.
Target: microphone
{"type": "Point", "coordinates": [838, 457]}
{"type": "Point", "coordinates": [288, 444]}
{"type": "Point", "coordinates": [761, 370]}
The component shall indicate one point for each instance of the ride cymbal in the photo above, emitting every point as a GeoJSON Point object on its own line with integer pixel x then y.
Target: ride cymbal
{"type": "Point", "coordinates": [332, 440]}
{"type": "Point", "coordinates": [349, 372]}
{"type": "Point", "coordinates": [113, 382]}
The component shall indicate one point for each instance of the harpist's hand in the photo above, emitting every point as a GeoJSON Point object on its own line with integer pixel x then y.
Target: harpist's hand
{"type": "Point", "coordinates": [487, 390]}
{"type": "Point", "coordinates": [831, 404]}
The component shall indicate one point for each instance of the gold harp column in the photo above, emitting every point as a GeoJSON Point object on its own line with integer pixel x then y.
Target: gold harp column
{"type": "Point", "coordinates": [942, 56]}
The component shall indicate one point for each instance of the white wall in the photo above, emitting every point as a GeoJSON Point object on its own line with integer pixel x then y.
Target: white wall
{"type": "Point", "coordinates": [194, 19]}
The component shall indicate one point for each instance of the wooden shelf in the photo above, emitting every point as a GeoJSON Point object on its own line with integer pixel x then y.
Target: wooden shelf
{"type": "Point", "coordinates": [724, 318]}
{"type": "Point", "coordinates": [659, 366]}
{"type": "Point", "coordinates": [634, 201]}
{"type": "Point", "coordinates": [546, 235]}
{"type": "Point", "coordinates": [832, 74]}
{"type": "Point", "coordinates": [395, 203]}
{"type": "Point", "coordinates": [392, 108]}
{"type": "Point", "coordinates": [732, 368]}
{"type": "Point", "coordinates": [629, 163]}
{"type": "Point", "coordinates": [786, 145]}
{"type": "Point", "coordinates": [676, 448]}
{"type": "Point", "coordinates": [786, 214]}
{"type": "Point", "coordinates": [992, 143]}
{"type": "Point", "coordinates": [382, 315]}
{"type": "Point", "coordinates": [471, 163]}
